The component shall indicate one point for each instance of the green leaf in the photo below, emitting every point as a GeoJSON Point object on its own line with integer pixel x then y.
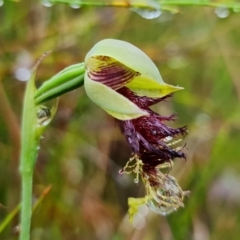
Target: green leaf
{"type": "Point", "coordinates": [67, 80]}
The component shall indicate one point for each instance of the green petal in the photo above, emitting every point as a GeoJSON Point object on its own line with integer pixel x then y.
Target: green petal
{"type": "Point", "coordinates": [145, 86]}
{"type": "Point", "coordinates": [114, 103]}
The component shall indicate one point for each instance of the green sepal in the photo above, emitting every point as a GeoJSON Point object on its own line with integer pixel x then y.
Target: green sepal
{"type": "Point", "coordinates": [127, 54]}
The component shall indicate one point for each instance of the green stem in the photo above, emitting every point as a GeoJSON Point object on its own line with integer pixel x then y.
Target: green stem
{"type": "Point", "coordinates": [29, 146]}
{"type": "Point", "coordinates": [26, 211]}
{"type": "Point", "coordinates": [147, 4]}
{"type": "Point", "coordinates": [67, 80]}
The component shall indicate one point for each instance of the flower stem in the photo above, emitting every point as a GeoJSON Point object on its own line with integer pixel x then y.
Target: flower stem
{"type": "Point", "coordinates": [32, 128]}
{"type": "Point", "coordinates": [26, 210]}
{"type": "Point", "coordinates": [29, 146]}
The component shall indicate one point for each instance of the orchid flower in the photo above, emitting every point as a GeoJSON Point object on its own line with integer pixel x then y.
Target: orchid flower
{"type": "Point", "coordinates": [124, 81]}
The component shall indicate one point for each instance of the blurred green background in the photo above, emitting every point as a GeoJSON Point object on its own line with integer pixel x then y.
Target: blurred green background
{"type": "Point", "coordinates": [83, 150]}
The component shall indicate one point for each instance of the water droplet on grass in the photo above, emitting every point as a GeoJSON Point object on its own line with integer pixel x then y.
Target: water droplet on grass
{"type": "Point", "coordinates": [222, 12]}
{"type": "Point", "coordinates": [150, 11]}
{"type": "Point", "coordinates": [146, 13]}
{"type": "Point", "coordinates": [76, 5]}
{"type": "Point", "coordinates": [46, 3]}
{"type": "Point", "coordinates": [44, 116]}
{"type": "Point", "coordinates": [236, 9]}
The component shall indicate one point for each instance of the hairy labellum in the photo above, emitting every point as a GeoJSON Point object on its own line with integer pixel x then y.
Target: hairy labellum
{"type": "Point", "coordinates": [153, 145]}
{"type": "Point", "coordinates": [147, 135]}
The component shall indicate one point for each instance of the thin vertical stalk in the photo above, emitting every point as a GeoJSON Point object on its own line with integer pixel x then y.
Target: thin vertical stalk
{"type": "Point", "coordinates": [29, 146]}
{"type": "Point", "coordinates": [34, 121]}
